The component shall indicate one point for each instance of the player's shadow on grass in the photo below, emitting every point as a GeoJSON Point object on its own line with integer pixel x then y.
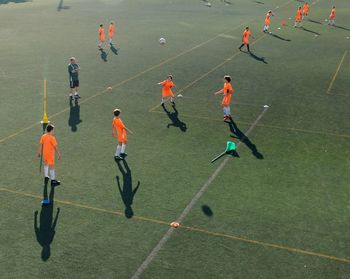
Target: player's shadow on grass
{"type": "Point", "coordinates": [257, 58]}
{"type": "Point", "coordinates": [243, 138]}
{"type": "Point", "coordinates": [127, 193]}
{"type": "Point", "coordinates": [103, 55]}
{"type": "Point", "coordinates": [45, 233]}
{"type": "Point", "coordinates": [310, 31]}
{"type": "Point", "coordinates": [314, 21]}
{"type": "Point", "coordinates": [341, 27]}
{"type": "Point", "coordinates": [74, 115]}
{"type": "Point", "coordinates": [114, 50]}
{"type": "Point", "coordinates": [61, 6]}
{"type": "Point", "coordinates": [279, 37]}
{"type": "Point", "coordinates": [174, 117]}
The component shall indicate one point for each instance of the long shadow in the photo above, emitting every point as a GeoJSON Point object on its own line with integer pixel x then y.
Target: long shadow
{"type": "Point", "coordinates": [114, 50]}
{"type": "Point", "coordinates": [174, 117]}
{"type": "Point", "coordinates": [243, 138]}
{"type": "Point", "coordinates": [103, 55]}
{"type": "Point", "coordinates": [279, 37]}
{"type": "Point", "coordinates": [127, 192]}
{"type": "Point", "coordinates": [259, 2]}
{"type": "Point", "coordinates": [13, 1]}
{"type": "Point", "coordinates": [341, 27]}
{"type": "Point", "coordinates": [74, 115]}
{"type": "Point", "coordinates": [45, 233]}
{"type": "Point", "coordinates": [61, 6]}
{"type": "Point", "coordinates": [257, 58]}
{"type": "Point", "coordinates": [310, 31]}
{"type": "Point", "coordinates": [314, 21]}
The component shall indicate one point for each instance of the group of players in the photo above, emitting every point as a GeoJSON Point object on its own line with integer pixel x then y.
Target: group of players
{"type": "Point", "coordinates": [48, 144]}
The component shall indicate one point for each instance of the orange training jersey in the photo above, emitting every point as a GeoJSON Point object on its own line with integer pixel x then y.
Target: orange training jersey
{"type": "Point", "coordinates": [298, 15]}
{"type": "Point", "coordinates": [111, 30]}
{"type": "Point", "coordinates": [166, 90]}
{"type": "Point", "coordinates": [228, 90]}
{"type": "Point", "coordinates": [306, 9]}
{"type": "Point", "coordinates": [49, 144]}
{"type": "Point", "coordinates": [101, 33]}
{"type": "Point", "coordinates": [332, 15]}
{"type": "Point", "coordinates": [268, 19]}
{"type": "Point", "coordinates": [120, 127]}
{"type": "Point", "coordinates": [246, 35]}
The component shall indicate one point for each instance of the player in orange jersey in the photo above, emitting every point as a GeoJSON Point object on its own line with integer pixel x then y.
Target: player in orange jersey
{"type": "Point", "coordinates": [111, 32]}
{"type": "Point", "coordinates": [331, 20]}
{"type": "Point", "coordinates": [47, 149]}
{"type": "Point", "coordinates": [101, 34]}
{"type": "Point", "coordinates": [306, 9]}
{"type": "Point", "coordinates": [268, 21]}
{"type": "Point", "coordinates": [121, 129]}
{"type": "Point", "coordinates": [167, 84]}
{"type": "Point", "coordinates": [298, 18]}
{"type": "Point", "coordinates": [245, 38]}
{"type": "Point", "coordinates": [227, 91]}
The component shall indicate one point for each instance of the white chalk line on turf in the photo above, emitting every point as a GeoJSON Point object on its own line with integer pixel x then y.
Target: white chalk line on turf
{"type": "Point", "coordinates": [194, 200]}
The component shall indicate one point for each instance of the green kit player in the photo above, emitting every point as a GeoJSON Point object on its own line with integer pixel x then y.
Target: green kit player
{"type": "Point", "coordinates": [73, 70]}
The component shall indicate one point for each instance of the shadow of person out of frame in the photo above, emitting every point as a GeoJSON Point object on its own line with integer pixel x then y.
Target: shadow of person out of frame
{"type": "Point", "coordinates": [126, 191]}
{"type": "Point", "coordinates": [45, 232]}
{"type": "Point", "coordinates": [74, 115]}
{"type": "Point", "coordinates": [61, 7]}
{"type": "Point", "coordinates": [174, 117]}
{"type": "Point", "coordinates": [238, 134]}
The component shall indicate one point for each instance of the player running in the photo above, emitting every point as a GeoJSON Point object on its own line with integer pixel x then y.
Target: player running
{"type": "Point", "coordinates": [121, 129]}
{"type": "Point", "coordinates": [245, 38]}
{"type": "Point", "coordinates": [227, 91]}
{"type": "Point", "coordinates": [268, 21]}
{"type": "Point", "coordinates": [47, 149]}
{"type": "Point", "coordinates": [167, 85]}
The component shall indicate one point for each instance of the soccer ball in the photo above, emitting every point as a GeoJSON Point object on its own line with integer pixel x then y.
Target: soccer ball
{"type": "Point", "coordinates": [162, 41]}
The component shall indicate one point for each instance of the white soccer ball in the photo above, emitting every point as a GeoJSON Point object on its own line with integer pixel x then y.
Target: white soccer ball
{"type": "Point", "coordinates": [162, 41]}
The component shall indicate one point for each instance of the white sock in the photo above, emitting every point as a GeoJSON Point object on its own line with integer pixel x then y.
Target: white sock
{"type": "Point", "coordinates": [52, 174]}
{"type": "Point", "coordinates": [228, 111]}
{"type": "Point", "coordinates": [162, 101]}
{"type": "Point", "coordinates": [123, 148]}
{"type": "Point", "coordinates": [117, 152]}
{"type": "Point", "coordinates": [171, 99]}
{"type": "Point", "coordinates": [76, 93]}
{"type": "Point", "coordinates": [110, 40]}
{"type": "Point", "coordinates": [224, 109]}
{"type": "Point", "coordinates": [46, 171]}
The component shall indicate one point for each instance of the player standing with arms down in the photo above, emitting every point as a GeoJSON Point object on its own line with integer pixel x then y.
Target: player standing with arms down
{"type": "Point", "coordinates": [101, 35]}
{"type": "Point", "coordinates": [47, 149]}
{"type": "Point", "coordinates": [227, 91]}
{"type": "Point", "coordinates": [268, 21]}
{"type": "Point", "coordinates": [298, 18]}
{"type": "Point", "coordinates": [73, 70]}
{"type": "Point", "coordinates": [111, 32]}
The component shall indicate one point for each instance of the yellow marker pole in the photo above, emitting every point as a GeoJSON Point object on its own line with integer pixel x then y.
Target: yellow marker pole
{"type": "Point", "coordinates": [45, 119]}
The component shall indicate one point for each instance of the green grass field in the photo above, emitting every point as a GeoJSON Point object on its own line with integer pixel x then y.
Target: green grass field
{"type": "Point", "coordinates": [279, 210]}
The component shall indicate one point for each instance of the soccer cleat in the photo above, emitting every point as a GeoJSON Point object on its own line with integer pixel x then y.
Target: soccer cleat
{"type": "Point", "coordinates": [55, 183]}
{"type": "Point", "coordinates": [77, 96]}
{"type": "Point", "coordinates": [123, 155]}
{"type": "Point", "coordinates": [118, 158]}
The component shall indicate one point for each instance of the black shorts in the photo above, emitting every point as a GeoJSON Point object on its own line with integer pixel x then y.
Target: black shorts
{"type": "Point", "coordinates": [74, 83]}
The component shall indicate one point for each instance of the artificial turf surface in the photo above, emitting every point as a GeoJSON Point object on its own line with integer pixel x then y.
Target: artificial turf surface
{"type": "Point", "coordinates": [289, 186]}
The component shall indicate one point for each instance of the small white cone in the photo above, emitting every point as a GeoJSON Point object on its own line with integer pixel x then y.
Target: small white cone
{"type": "Point", "coordinates": [266, 106]}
